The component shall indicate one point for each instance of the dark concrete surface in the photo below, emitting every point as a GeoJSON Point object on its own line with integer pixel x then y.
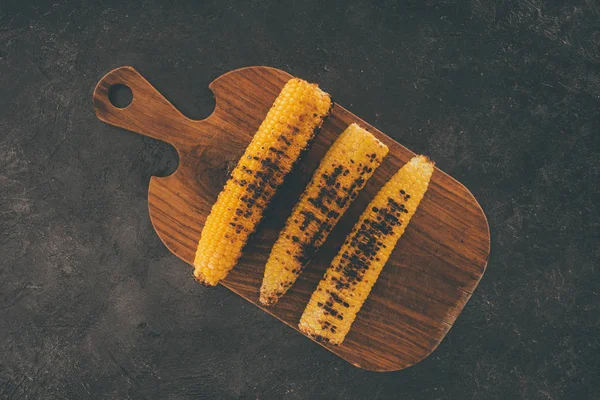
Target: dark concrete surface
{"type": "Point", "coordinates": [505, 96]}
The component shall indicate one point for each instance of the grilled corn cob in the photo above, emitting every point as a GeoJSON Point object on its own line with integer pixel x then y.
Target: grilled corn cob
{"type": "Point", "coordinates": [343, 172]}
{"type": "Point", "coordinates": [353, 272]}
{"type": "Point", "coordinates": [288, 129]}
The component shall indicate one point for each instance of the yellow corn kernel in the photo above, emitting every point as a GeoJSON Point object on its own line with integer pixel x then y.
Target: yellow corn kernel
{"type": "Point", "coordinates": [341, 293]}
{"type": "Point", "coordinates": [342, 174]}
{"type": "Point", "coordinates": [288, 128]}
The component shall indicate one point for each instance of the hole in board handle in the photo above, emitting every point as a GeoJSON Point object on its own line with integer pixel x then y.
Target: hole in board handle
{"type": "Point", "coordinates": [120, 95]}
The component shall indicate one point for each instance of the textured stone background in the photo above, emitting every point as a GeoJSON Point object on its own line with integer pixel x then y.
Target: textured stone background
{"type": "Point", "coordinates": [505, 96]}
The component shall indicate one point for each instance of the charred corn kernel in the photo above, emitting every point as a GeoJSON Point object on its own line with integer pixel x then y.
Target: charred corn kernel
{"type": "Point", "coordinates": [342, 174]}
{"type": "Point", "coordinates": [288, 128]}
{"type": "Point", "coordinates": [353, 272]}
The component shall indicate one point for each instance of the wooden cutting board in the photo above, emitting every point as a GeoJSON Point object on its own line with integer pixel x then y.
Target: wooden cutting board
{"type": "Point", "coordinates": [430, 275]}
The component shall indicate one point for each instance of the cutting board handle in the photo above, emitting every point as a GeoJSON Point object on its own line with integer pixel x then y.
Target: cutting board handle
{"type": "Point", "coordinates": [149, 113]}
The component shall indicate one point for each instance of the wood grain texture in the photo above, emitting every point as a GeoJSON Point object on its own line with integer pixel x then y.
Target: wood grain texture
{"type": "Point", "coordinates": [430, 275]}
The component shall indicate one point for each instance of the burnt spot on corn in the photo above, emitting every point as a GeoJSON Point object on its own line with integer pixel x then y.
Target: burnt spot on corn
{"type": "Point", "coordinates": [270, 165]}
{"type": "Point", "coordinates": [285, 140]}
{"type": "Point", "coordinates": [333, 214]}
{"type": "Point", "coordinates": [238, 228]}
{"type": "Point", "coordinates": [327, 193]}
{"type": "Point", "coordinates": [280, 153]}
{"type": "Point", "coordinates": [319, 338]}
{"type": "Point", "coordinates": [335, 297]}
{"type": "Point", "coordinates": [309, 247]}
{"type": "Point", "coordinates": [332, 192]}
{"type": "Point", "coordinates": [309, 217]}
{"type": "Point", "coordinates": [330, 310]}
